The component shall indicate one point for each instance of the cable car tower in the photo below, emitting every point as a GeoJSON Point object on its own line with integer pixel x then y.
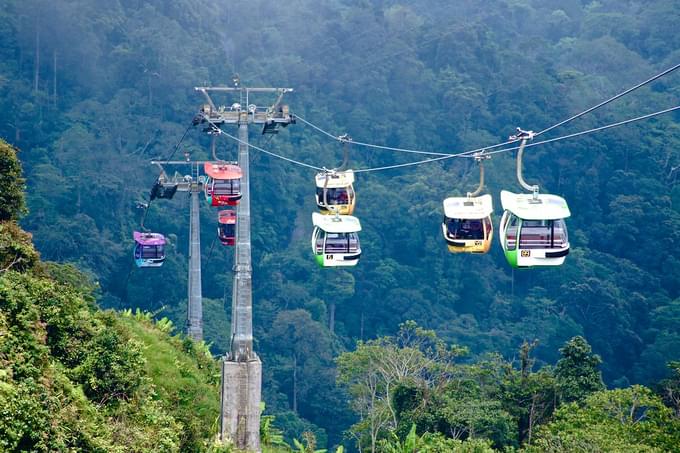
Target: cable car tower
{"type": "Point", "coordinates": [166, 187]}
{"type": "Point", "coordinates": [241, 367]}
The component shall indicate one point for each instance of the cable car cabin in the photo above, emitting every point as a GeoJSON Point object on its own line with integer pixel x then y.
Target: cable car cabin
{"type": "Point", "coordinates": [149, 249]}
{"type": "Point", "coordinates": [226, 227]}
{"type": "Point", "coordinates": [335, 241]}
{"type": "Point", "coordinates": [533, 233]}
{"type": "Point", "coordinates": [467, 226]}
{"type": "Point", "coordinates": [340, 193]}
{"type": "Point", "coordinates": [223, 187]}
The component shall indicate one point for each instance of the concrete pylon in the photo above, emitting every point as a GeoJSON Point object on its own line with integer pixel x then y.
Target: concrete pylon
{"type": "Point", "coordinates": [241, 368]}
{"type": "Point", "coordinates": [195, 305]}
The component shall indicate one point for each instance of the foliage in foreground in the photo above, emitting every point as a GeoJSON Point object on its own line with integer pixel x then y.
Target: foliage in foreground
{"type": "Point", "coordinates": [622, 420]}
{"type": "Point", "coordinates": [412, 395]}
{"type": "Point", "coordinates": [75, 378]}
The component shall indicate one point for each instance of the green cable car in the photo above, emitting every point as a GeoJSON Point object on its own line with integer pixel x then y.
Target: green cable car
{"type": "Point", "coordinates": [335, 241]}
{"type": "Point", "coordinates": [532, 229]}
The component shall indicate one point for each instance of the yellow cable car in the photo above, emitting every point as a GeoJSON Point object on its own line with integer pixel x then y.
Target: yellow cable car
{"type": "Point", "coordinates": [335, 192]}
{"type": "Point", "coordinates": [467, 224]}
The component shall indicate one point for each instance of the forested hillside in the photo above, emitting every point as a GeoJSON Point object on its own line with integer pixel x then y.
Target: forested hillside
{"type": "Point", "coordinates": [75, 378]}
{"type": "Point", "coordinates": [91, 91]}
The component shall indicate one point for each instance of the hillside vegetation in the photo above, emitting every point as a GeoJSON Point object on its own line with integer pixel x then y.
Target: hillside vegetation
{"type": "Point", "coordinates": [76, 378]}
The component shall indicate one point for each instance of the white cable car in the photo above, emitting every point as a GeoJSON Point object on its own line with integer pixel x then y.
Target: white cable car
{"type": "Point", "coordinates": [335, 241]}
{"type": "Point", "coordinates": [467, 224]}
{"type": "Point", "coordinates": [335, 192]}
{"type": "Point", "coordinates": [532, 229]}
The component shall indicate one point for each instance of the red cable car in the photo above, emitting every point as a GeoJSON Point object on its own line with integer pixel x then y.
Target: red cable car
{"type": "Point", "coordinates": [223, 187]}
{"type": "Point", "coordinates": [226, 227]}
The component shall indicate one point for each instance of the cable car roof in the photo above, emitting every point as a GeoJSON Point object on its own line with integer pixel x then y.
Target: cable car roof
{"type": "Point", "coordinates": [336, 224]}
{"type": "Point", "coordinates": [468, 208]}
{"type": "Point", "coordinates": [336, 179]}
{"type": "Point", "coordinates": [218, 170]}
{"type": "Point", "coordinates": [549, 207]}
{"type": "Point", "coordinates": [149, 238]}
{"type": "Point", "coordinates": [226, 217]}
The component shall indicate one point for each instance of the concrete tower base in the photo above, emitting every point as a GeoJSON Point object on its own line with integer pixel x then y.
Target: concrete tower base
{"type": "Point", "coordinates": [240, 422]}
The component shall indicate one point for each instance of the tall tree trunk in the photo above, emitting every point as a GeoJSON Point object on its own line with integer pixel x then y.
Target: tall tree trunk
{"type": "Point", "coordinates": [361, 325]}
{"type": "Point", "coordinates": [512, 284]}
{"type": "Point", "coordinates": [531, 417]}
{"type": "Point", "coordinates": [331, 318]}
{"type": "Point", "coordinates": [148, 82]}
{"type": "Point", "coordinates": [78, 199]}
{"type": "Point", "coordinates": [54, 79]}
{"type": "Point", "coordinates": [36, 71]}
{"type": "Point", "coordinates": [295, 408]}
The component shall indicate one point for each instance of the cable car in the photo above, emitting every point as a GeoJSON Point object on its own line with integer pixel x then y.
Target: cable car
{"type": "Point", "coordinates": [335, 193]}
{"type": "Point", "coordinates": [149, 249]}
{"type": "Point", "coordinates": [335, 241]}
{"type": "Point", "coordinates": [226, 227]}
{"type": "Point", "coordinates": [467, 224]}
{"type": "Point", "coordinates": [223, 186]}
{"type": "Point", "coordinates": [532, 229]}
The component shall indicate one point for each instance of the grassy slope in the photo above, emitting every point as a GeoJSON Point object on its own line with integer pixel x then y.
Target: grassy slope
{"type": "Point", "coordinates": [184, 374]}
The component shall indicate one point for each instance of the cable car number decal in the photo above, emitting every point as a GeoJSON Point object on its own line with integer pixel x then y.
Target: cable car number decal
{"type": "Point", "coordinates": [525, 253]}
{"type": "Point", "coordinates": [329, 257]}
{"type": "Point", "coordinates": [478, 242]}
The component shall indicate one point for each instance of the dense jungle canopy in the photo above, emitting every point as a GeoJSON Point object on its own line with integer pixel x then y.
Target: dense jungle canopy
{"type": "Point", "coordinates": [91, 91]}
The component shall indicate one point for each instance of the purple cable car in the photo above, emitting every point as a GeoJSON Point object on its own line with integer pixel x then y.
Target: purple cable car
{"type": "Point", "coordinates": [149, 249]}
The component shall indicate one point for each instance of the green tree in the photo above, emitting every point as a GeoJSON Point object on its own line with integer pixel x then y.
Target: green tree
{"type": "Point", "coordinates": [631, 419]}
{"type": "Point", "coordinates": [576, 373]}
{"type": "Point", "coordinates": [432, 443]}
{"type": "Point", "coordinates": [305, 348]}
{"type": "Point", "coordinates": [670, 388]}
{"type": "Point", "coordinates": [528, 396]}
{"type": "Point", "coordinates": [11, 184]}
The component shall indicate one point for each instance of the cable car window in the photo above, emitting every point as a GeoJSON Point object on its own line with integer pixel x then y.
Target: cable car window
{"type": "Point", "coordinates": [465, 228]}
{"type": "Point", "coordinates": [353, 242]}
{"type": "Point", "coordinates": [511, 232]}
{"type": "Point", "coordinates": [226, 186]}
{"type": "Point", "coordinates": [560, 235]}
{"type": "Point", "coordinates": [542, 234]}
{"type": "Point", "coordinates": [318, 241]}
{"type": "Point", "coordinates": [334, 196]}
{"type": "Point", "coordinates": [487, 226]}
{"type": "Point", "coordinates": [452, 227]}
{"type": "Point", "coordinates": [152, 252]}
{"type": "Point", "coordinates": [227, 230]}
{"type": "Point", "coordinates": [336, 242]}
{"type": "Point", "coordinates": [342, 243]}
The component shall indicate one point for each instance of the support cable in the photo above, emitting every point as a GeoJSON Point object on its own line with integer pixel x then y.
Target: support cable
{"type": "Point", "coordinates": [432, 153]}
{"type": "Point", "coordinates": [236, 139]}
{"type": "Point", "coordinates": [390, 148]}
{"type": "Point", "coordinates": [504, 150]}
{"type": "Point", "coordinates": [611, 99]}
{"type": "Point", "coordinates": [461, 154]}
{"type": "Point", "coordinates": [589, 131]}
{"type": "Point", "coordinates": [179, 143]}
{"type": "Point", "coordinates": [147, 205]}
